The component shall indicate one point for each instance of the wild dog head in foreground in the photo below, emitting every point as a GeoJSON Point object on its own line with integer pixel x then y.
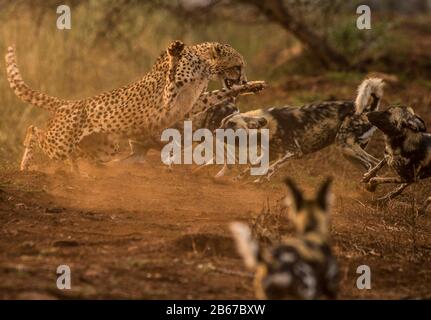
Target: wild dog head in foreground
{"type": "Point", "coordinates": [301, 267]}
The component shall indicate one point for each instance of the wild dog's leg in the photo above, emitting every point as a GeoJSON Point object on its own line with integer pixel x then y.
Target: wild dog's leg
{"type": "Point", "coordinates": [373, 171]}
{"type": "Point", "coordinates": [219, 174]}
{"type": "Point", "coordinates": [275, 166]}
{"type": "Point", "coordinates": [394, 193]}
{"type": "Point", "coordinates": [353, 135]}
{"type": "Point", "coordinates": [374, 182]}
{"type": "Point", "coordinates": [356, 154]}
{"type": "Point", "coordinates": [226, 165]}
{"type": "Point", "coordinates": [208, 163]}
{"type": "Point", "coordinates": [243, 173]}
{"type": "Point", "coordinates": [223, 171]}
{"type": "Point", "coordinates": [246, 170]}
{"type": "Point", "coordinates": [30, 142]}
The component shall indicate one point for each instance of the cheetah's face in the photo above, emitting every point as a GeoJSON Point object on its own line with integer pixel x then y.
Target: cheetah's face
{"type": "Point", "coordinates": [228, 65]}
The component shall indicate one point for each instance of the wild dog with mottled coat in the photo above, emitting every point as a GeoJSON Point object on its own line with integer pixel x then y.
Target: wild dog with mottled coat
{"type": "Point", "coordinates": [407, 152]}
{"type": "Point", "coordinates": [302, 267]}
{"type": "Point", "coordinates": [297, 131]}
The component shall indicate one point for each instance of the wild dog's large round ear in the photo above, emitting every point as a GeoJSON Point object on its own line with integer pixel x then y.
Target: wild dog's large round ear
{"type": "Point", "coordinates": [417, 124]}
{"type": "Point", "coordinates": [294, 196]}
{"type": "Point", "coordinates": [324, 196]}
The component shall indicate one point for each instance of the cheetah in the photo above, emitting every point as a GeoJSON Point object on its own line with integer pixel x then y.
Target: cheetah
{"type": "Point", "coordinates": [175, 84]}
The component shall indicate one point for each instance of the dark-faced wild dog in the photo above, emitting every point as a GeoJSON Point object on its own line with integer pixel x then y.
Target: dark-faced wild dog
{"type": "Point", "coordinates": [296, 131]}
{"type": "Point", "coordinates": [301, 267]}
{"type": "Point", "coordinates": [408, 149]}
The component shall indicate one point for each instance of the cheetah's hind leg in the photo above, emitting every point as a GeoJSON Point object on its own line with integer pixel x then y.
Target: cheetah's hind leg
{"type": "Point", "coordinates": [30, 142]}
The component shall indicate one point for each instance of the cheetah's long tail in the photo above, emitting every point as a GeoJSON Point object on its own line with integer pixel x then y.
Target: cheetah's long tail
{"type": "Point", "coordinates": [23, 91]}
{"type": "Point", "coordinates": [370, 92]}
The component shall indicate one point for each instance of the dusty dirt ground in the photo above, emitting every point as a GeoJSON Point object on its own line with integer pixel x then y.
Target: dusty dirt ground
{"type": "Point", "coordinates": [144, 232]}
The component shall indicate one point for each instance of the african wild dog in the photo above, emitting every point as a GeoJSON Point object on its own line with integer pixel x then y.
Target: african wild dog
{"type": "Point", "coordinates": [296, 131]}
{"type": "Point", "coordinates": [408, 149]}
{"type": "Point", "coordinates": [302, 267]}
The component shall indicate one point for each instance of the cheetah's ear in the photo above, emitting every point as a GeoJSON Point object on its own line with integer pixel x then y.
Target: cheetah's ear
{"type": "Point", "coordinates": [216, 50]}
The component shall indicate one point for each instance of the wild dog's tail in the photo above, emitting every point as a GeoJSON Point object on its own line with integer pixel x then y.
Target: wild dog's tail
{"type": "Point", "coordinates": [246, 246]}
{"type": "Point", "coordinates": [370, 92]}
{"type": "Point", "coordinates": [23, 91]}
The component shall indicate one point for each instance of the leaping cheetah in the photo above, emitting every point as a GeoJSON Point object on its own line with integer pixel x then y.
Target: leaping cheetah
{"type": "Point", "coordinates": [176, 83]}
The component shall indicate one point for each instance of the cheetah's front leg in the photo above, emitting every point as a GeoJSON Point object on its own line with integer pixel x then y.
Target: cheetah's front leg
{"type": "Point", "coordinates": [174, 53]}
